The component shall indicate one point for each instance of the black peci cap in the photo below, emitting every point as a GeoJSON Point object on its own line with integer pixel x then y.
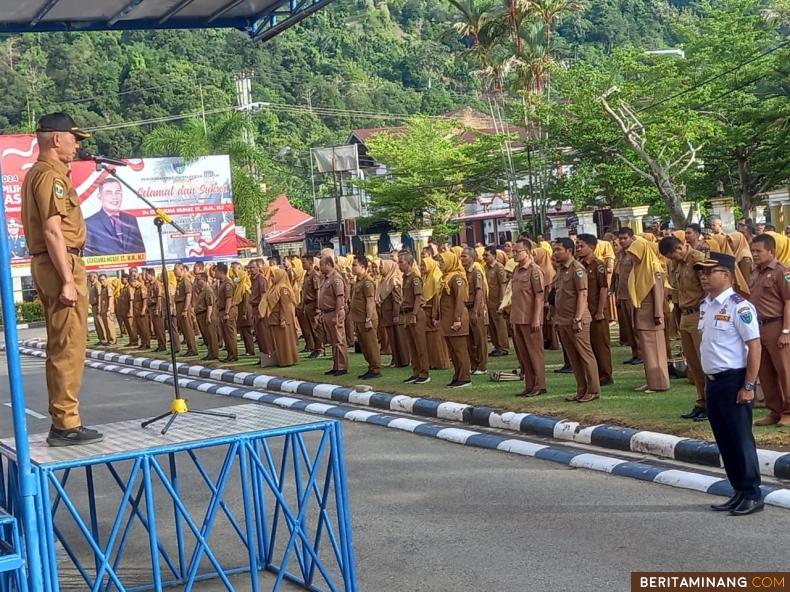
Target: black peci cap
{"type": "Point", "coordinates": [716, 260]}
{"type": "Point", "coordinates": [61, 122]}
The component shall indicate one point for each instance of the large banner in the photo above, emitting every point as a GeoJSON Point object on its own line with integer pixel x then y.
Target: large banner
{"type": "Point", "coordinates": [121, 230]}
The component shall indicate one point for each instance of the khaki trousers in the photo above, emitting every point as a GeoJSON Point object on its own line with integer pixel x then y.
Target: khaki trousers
{"type": "Point", "coordinates": [209, 335]}
{"type": "Point", "coordinates": [185, 326]}
{"type": "Point", "coordinates": [529, 349]}
{"type": "Point", "coordinates": [690, 340]}
{"type": "Point", "coordinates": [229, 332]}
{"type": "Point", "coordinates": [159, 330]}
{"type": "Point", "coordinates": [775, 371]}
{"type": "Point", "coordinates": [497, 327]}
{"type": "Point", "coordinates": [601, 342]}
{"type": "Point", "coordinates": [582, 359]}
{"type": "Point", "coordinates": [337, 340]}
{"type": "Point", "coordinates": [416, 339]}
{"type": "Point", "coordinates": [97, 322]}
{"type": "Point", "coordinates": [478, 344]}
{"type": "Point", "coordinates": [67, 327]}
{"type": "Point", "coordinates": [108, 326]}
{"type": "Point", "coordinates": [459, 356]}
{"type": "Point", "coordinates": [369, 345]}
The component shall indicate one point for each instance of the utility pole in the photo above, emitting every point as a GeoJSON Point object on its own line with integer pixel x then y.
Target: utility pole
{"type": "Point", "coordinates": [244, 101]}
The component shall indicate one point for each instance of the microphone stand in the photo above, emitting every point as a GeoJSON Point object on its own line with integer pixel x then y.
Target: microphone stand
{"type": "Point", "coordinates": [179, 405]}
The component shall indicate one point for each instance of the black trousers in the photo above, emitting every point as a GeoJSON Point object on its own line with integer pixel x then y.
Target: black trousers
{"type": "Point", "coordinates": [732, 427]}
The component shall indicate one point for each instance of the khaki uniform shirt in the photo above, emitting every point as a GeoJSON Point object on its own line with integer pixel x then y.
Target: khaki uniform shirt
{"type": "Point", "coordinates": [106, 302]}
{"type": "Point", "coordinates": [138, 300]}
{"type": "Point", "coordinates": [225, 291]}
{"type": "Point", "coordinates": [452, 309]}
{"type": "Point", "coordinates": [123, 301]}
{"type": "Point", "coordinates": [259, 287]}
{"type": "Point", "coordinates": [332, 287]}
{"type": "Point", "coordinates": [770, 287]}
{"type": "Point", "coordinates": [183, 288]}
{"type": "Point", "coordinates": [571, 279]}
{"type": "Point", "coordinates": [154, 294]}
{"type": "Point", "coordinates": [686, 281]}
{"type": "Point", "coordinates": [596, 279]}
{"type": "Point", "coordinates": [205, 298]}
{"type": "Point", "coordinates": [624, 271]}
{"type": "Point", "coordinates": [46, 192]}
{"type": "Point", "coordinates": [528, 283]}
{"type": "Point", "coordinates": [94, 294]}
{"type": "Point", "coordinates": [412, 286]}
{"type": "Point", "coordinates": [497, 280]}
{"type": "Point", "coordinates": [312, 284]}
{"type": "Point", "coordinates": [361, 291]}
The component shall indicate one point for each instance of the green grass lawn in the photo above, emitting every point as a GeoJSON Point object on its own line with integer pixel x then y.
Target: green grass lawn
{"type": "Point", "coordinates": [619, 403]}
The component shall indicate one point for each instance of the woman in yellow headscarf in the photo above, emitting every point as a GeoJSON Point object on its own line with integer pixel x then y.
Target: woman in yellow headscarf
{"type": "Point", "coordinates": [782, 247]}
{"type": "Point", "coordinates": [454, 316]}
{"type": "Point", "coordinates": [241, 298]}
{"type": "Point", "coordinates": [721, 242]}
{"type": "Point", "coordinates": [438, 356]}
{"type": "Point", "coordinates": [479, 252]}
{"type": "Point", "coordinates": [543, 260]}
{"type": "Point", "coordinates": [501, 257]}
{"type": "Point", "coordinates": [646, 291]}
{"type": "Point", "coordinates": [389, 296]}
{"type": "Point", "coordinates": [279, 306]}
{"type": "Point", "coordinates": [743, 261]}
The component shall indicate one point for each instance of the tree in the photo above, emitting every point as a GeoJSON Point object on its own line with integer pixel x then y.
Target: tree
{"type": "Point", "coordinates": [224, 135]}
{"type": "Point", "coordinates": [434, 166]}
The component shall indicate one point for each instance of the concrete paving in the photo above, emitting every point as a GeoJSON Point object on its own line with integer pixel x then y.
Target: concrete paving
{"type": "Point", "coordinates": [432, 516]}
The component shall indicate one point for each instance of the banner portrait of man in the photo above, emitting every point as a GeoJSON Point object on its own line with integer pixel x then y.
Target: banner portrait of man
{"type": "Point", "coordinates": [110, 230]}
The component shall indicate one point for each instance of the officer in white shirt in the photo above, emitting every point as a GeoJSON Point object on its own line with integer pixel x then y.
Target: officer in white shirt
{"type": "Point", "coordinates": [730, 355]}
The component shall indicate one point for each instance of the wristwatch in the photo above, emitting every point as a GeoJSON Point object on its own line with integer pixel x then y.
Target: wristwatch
{"type": "Point", "coordinates": [785, 331]}
{"type": "Point", "coordinates": [576, 321]}
{"type": "Point", "coordinates": [749, 386]}
{"type": "Point", "coordinates": [367, 320]}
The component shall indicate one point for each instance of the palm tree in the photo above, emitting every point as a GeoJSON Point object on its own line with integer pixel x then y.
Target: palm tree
{"type": "Point", "coordinates": [553, 11]}
{"type": "Point", "coordinates": [533, 64]}
{"type": "Point", "coordinates": [475, 17]}
{"type": "Point", "coordinates": [230, 134]}
{"type": "Point", "coordinates": [513, 13]}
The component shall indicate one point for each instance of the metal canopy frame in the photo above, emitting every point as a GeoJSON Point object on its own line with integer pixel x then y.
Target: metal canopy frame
{"type": "Point", "coordinates": [261, 24]}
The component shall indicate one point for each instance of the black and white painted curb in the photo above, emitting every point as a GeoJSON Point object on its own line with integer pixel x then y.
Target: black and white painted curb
{"type": "Point", "coordinates": [616, 466]}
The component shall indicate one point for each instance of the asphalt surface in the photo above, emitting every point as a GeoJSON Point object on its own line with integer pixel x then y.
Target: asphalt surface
{"type": "Point", "coordinates": [431, 516]}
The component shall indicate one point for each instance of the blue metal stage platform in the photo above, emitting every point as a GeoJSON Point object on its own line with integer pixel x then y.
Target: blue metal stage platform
{"type": "Point", "coordinates": [143, 511]}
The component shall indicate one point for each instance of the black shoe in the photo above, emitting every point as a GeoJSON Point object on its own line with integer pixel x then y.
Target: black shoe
{"type": "Point", "coordinates": [461, 383]}
{"type": "Point", "coordinates": [747, 507]}
{"type": "Point", "coordinates": [229, 360]}
{"type": "Point", "coordinates": [362, 375]}
{"type": "Point", "coordinates": [629, 360]}
{"type": "Point", "coordinates": [188, 354]}
{"type": "Point", "coordinates": [73, 437]}
{"type": "Point", "coordinates": [702, 416]}
{"type": "Point", "coordinates": [306, 350]}
{"type": "Point", "coordinates": [636, 361]}
{"type": "Point", "coordinates": [330, 372]}
{"type": "Point", "coordinates": [607, 383]}
{"type": "Point", "coordinates": [452, 384]}
{"type": "Point", "coordinates": [411, 379]}
{"type": "Point", "coordinates": [208, 358]}
{"type": "Point", "coordinates": [340, 372]}
{"type": "Point", "coordinates": [693, 413]}
{"type": "Point", "coordinates": [425, 380]}
{"type": "Point", "coordinates": [160, 349]}
{"type": "Point", "coordinates": [370, 375]}
{"type": "Point", "coordinates": [316, 354]}
{"type": "Point", "coordinates": [731, 503]}
{"type": "Point", "coordinates": [564, 370]}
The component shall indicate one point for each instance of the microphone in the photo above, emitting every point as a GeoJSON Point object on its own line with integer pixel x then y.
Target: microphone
{"type": "Point", "coordinates": [85, 155]}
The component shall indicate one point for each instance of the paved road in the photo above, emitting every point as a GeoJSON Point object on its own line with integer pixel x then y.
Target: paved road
{"type": "Point", "coordinates": [432, 516]}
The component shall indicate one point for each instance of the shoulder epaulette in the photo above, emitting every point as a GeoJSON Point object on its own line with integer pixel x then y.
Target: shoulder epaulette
{"type": "Point", "coordinates": [735, 297]}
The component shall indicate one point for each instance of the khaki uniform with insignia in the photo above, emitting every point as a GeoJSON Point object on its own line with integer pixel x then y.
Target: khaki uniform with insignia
{"type": "Point", "coordinates": [226, 290]}
{"type": "Point", "coordinates": [140, 314]}
{"type": "Point", "coordinates": [312, 284]}
{"type": "Point", "coordinates": [497, 326]}
{"type": "Point", "coordinates": [477, 340]}
{"type": "Point", "coordinates": [245, 324]}
{"type": "Point", "coordinates": [281, 323]}
{"type": "Point", "coordinates": [528, 289]}
{"type": "Point", "coordinates": [362, 290]}
{"type": "Point", "coordinates": [770, 290]}
{"type": "Point", "coordinates": [107, 313]}
{"type": "Point", "coordinates": [651, 339]}
{"type": "Point", "coordinates": [415, 322]}
{"type": "Point", "coordinates": [689, 296]}
{"type": "Point", "coordinates": [452, 309]}
{"type": "Point", "coordinates": [204, 300]}
{"type": "Point", "coordinates": [263, 334]}
{"type": "Point", "coordinates": [94, 298]}
{"type": "Point", "coordinates": [625, 313]}
{"type": "Point", "coordinates": [396, 333]}
{"type": "Point", "coordinates": [570, 281]}
{"type": "Point", "coordinates": [156, 311]}
{"type": "Point", "coordinates": [184, 288]}
{"type": "Point", "coordinates": [331, 288]}
{"type": "Point", "coordinates": [122, 307]}
{"type": "Point", "coordinates": [600, 338]}
{"type": "Point", "coordinates": [46, 192]}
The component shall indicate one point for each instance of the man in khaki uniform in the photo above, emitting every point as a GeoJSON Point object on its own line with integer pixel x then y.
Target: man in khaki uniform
{"type": "Point", "coordinates": [770, 294]}
{"type": "Point", "coordinates": [122, 307]}
{"type": "Point", "coordinates": [573, 320]}
{"type": "Point", "coordinates": [107, 310]}
{"type": "Point", "coordinates": [528, 289]}
{"type": "Point", "coordinates": [183, 300]}
{"type": "Point", "coordinates": [625, 314]}
{"type": "Point", "coordinates": [263, 334]}
{"type": "Point", "coordinates": [365, 317]}
{"type": "Point", "coordinates": [140, 313]}
{"type": "Point", "coordinates": [94, 299]}
{"type": "Point", "coordinates": [312, 283]}
{"type": "Point", "coordinates": [478, 315]}
{"type": "Point", "coordinates": [414, 320]}
{"type": "Point", "coordinates": [497, 282]}
{"type": "Point", "coordinates": [205, 303]}
{"type": "Point", "coordinates": [597, 304]}
{"type": "Point", "coordinates": [156, 307]}
{"type": "Point", "coordinates": [228, 312]}
{"type": "Point", "coordinates": [55, 233]}
{"type": "Point", "coordinates": [332, 307]}
{"type": "Point", "coordinates": [690, 295]}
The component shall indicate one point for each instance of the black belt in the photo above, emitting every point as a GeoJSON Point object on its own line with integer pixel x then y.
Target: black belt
{"type": "Point", "coordinates": [406, 310]}
{"type": "Point", "coordinates": [689, 310]}
{"type": "Point", "coordinates": [309, 301]}
{"type": "Point", "coordinates": [69, 250]}
{"type": "Point", "coordinates": [470, 306]}
{"type": "Point", "coordinates": [327, 311]}
{"type": "Point", "coordinates": [762, 322]}
{"type": "Point", "coordinates": [724, 374]}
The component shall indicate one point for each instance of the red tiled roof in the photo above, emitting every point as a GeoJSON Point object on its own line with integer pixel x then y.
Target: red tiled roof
{"type": "Point", "coordinates": [286, 222]}
{"type": "Point", "coordinates": [243, 243]}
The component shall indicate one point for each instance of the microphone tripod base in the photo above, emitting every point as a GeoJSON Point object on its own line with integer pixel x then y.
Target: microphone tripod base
{"type": "Point", "coordinates": [179, 407]}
